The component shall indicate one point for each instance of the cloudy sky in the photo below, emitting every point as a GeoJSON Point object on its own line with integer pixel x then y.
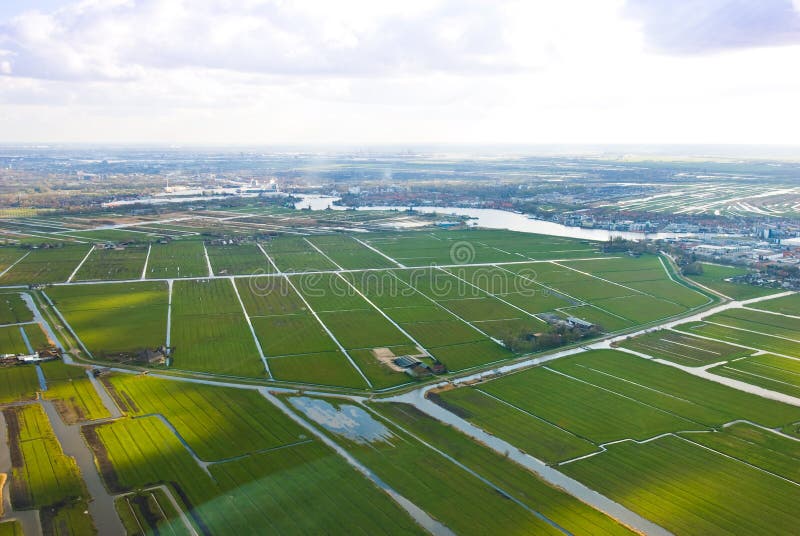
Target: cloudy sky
{"type": "Point", "coordinates": [408, 71]}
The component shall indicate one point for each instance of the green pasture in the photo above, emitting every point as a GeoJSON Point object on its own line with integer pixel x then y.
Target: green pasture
{"type": "Point", "coordinates": [113, 264]}
{"type": "Point", "coordinates": [683, 349]}
{"type": "Point", "coordinates": [180, 258]}
{"type": "Point", "coordinates": [47, 265]}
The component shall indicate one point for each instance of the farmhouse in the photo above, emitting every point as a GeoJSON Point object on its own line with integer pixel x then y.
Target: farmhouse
{"type": "Point", "coordinates": [578, 322]}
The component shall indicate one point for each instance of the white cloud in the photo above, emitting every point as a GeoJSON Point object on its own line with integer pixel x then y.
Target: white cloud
{"type": "Point", "coordinates": [271, 71]}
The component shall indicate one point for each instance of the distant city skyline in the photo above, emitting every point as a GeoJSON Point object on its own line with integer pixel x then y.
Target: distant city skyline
{"type": "Point", "coordinates": [413, 72]}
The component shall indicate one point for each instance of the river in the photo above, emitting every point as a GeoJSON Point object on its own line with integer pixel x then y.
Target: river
{"type": "Point", "coordinates": [490, 218]}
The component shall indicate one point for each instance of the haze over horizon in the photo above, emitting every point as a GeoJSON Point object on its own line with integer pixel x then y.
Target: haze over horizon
{"type": "Point", "coordinates": [269, 72]}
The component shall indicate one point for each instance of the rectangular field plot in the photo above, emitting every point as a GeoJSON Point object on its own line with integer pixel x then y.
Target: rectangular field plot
{"type": "Point", "coordinates": [772, 372]}
{"type": "Point", "coordinates": [788, 305]}
{"type": "Point", "coordinates": [759, 322]}
{"type": "Point", "coordinates": [13, 309]}
{"type": "Point", "coordinates": [177, 259]}
{"type": "Point", "coordinates": [216, 422]}
{"type": "Point", "coordinates": [209, 330]}
{"type": "Point", "coordinates": [708, 493]}
{"type": "Point", "coordinates": [9, 256]}
{"type": "Point", "coordinates": [683, 349]}
{"type": "Point", "coordinates": [12, 341]}
{"type": "Point", "coordinates": [293, 254]}
{"type": "Point", "coordinates": [716, 277]}
{"type": "Point", "coordinates": [18, 383]}
{"type": "Point", "coordinates": [41, 474]}
{"type": "Point", "coordinates": [151, 509]}
{"type": "Point", "coordinates": [747, 339]}
{"type": "Point", "coordinates": [50, 265]}
{"type": "Point", "coordinates": [324, 368]}
{"type": "Point", "coordinates": [111, 264]}
{"type": "Point", "coordinates": [349, 254]}
{"type": "Point", "coordinates": [235, 259]}
{"type": "Point", "coordinates": [73, 394]}
{"type": "Point", "coordinates": [285, 490]}
{"type": "Point", "coordinates": [115, 318]}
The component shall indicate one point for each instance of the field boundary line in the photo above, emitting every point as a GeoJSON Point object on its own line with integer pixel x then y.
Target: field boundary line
{"type": "Point", "coordinates": [67, 325]}
{"type": "Point", "coordinates": [384, 315]}
{"type": "Point", "coordinates": [252, 330]}
{"type": "Point", "coordinates": [146, 260]}
{"type": "Point", "coordinates": [4, 272]}
{"type": "Point", "coordinates": [415, 289]}
{"type": "Point", "coordinates": [752, 331]}
{"type": "Point", "coordinates": [376, 250]}
{"type": "Point", "coordinates": [169, 311]}
{"type": "Point", "coordinates": [748, 373]}
{"type": "Point", "coordinates": [683, 283]}
{"type": "Point", "coordinates": [269, 259]}
{"type": "Point", "coordinates": [472, 472]}
{"type": "Point", "coordinates": [776, 313]}
{"type": "Point", "coordinates": [328, 331]}
{"type": "Point", "coordinates": [75, 271]}
{"type": "Point", "coordinates": [208, 261]}
{"type": "Point", "coordinates": [310, 243]}
{"type": "Point", "coordinates": [495, 296]}
{"type": "Point", "coordinates": [587, 274]}
{"type": "Point", "coordinates": [416, 513]}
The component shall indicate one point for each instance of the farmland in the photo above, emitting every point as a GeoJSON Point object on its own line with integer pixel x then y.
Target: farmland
{"type": "Point", "coordinates": [209, 331]}
{"type": "Point", "coordinates": [17, 383]}
{"type": "Point", "coordinates": [788, 305]}
{"type": "Point", "coordinates": [716, 277]}
{"type": "Point", "coordinates": [295, 254]}
{"type": "Point", "coordinates": [773, 372]}
{"type": "Point", "coordinates": [13, 310]}
{"type": "Point", "coordinates": [113, 264]}
{"type": "Point", "coordinates": [42, 476]}
{"type": "Point", "coordinates": [118, 318]}
{"type": "Point", "coordinates": [72, 393]}
{"type": "Point", "coordinates": [50, 265]}
{"type": "Point", "coordinates": [233, 259]}
{"type": "Point", "coordinates": [684, 349]}
{"type": "Point", "coordinates": [181, 258]}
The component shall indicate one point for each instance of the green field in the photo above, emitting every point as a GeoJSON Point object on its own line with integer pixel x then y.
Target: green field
{"type": "Point", "coordinates": [759, 322]}
{"type": "Point", "coordinates": [149, 511]}
{"type": "Point", "coordinates": [683, 349]}
{"type": "Point", "coordinates": [13, 310]}
{"type": "Point", "coordinates": [11, 340]}
{"type": "Point", "coordinates": [18, 383]}
{"type": "Point", "coordinates": [714, 276]}
{"type": "Point", "coordinates": [111, 264]}
{"type": "Point", "coordinates": [301, 488]}
{"type": "Point", "coordinates": [209, 331]}
{"type": "Point", "coordinates": [348, 253]}
{"type": "Point", "coordinates": [72, 393]}
{"type": "Point", "coordinates": [558, 506]}
{"type": "Point", "coordinates": [739, 336]}
{"type": "Point", "coordinates": [788, 305]}
{"type": "Point", "coordinates": [234, 259]}
{"type": "Point", "coordinates": [294, 254]}
{"type": "Point", "coordinates": [451, 494]}
{"type": "Point", "coordinates": [115, 318]}
{"type": "Point", "coordinates": [769, 371]}
{"type": "Point", "coordinates": [42, 475]}
{"type": "Point", "coordinates": [707, 493]}
{"type": "Point", "coordinates": [181, 258]}
{"type": "Point", "coordinates": [11, 528]}
{"type": "Point", "coordinates": [49, 265]}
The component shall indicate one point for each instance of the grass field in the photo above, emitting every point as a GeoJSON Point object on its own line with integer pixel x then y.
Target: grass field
{"type": "Point", "coordinates": [9, 256]}
{"type": "Point", "coordinates": [348, 253]}
{"type": "Point", "coordinates": [111, 264]}
{"type": "Point", "coordinates": [181, 258]}
{"type": "Point", "coordinates": [303, 488]}
{"type": "Point", "coordinates": [50, 265]}
{"type": "Point", "coordinates": [209, 330]}
{"type": "Point", "coordinates": [683, 349]}
{"type": "Point", "coordinates": [13, 310]}
{"type": "Point", "coordinates": [18, 383]}
{"type": "Point", "coordinates": [149, 512]}
{"type": "Point", "coordinates": [11, 528]}
{"type": "Point", "coordinates": [739, 336]}
{"type": "Point", "coordinates": [568, 512]}
{"type": "Point", "coordinates": [11, 340]}
{"type": "Point", "coordinates": [238, 259]}
{"type": "Point", "coordinates": [714, 276]}
{"type": "Point", "coordinates": [294, 254]}
{"type": "Point", "coordinates": [446, 491]}
{"type": "Point", "coordinates": [769, 371]}
{"type": "Point", "coordinates": [216, 422]}
{"type": "Point", "coordinates": [72, 393]}
{"type": "Point", "coordinates": [42, 475]}
{"type": "Point", "coordinates": [115, 318]}
{"type": "Point", "coordinates": [788, 305]}
{"type": "Point", "coordinates": [708, 493]}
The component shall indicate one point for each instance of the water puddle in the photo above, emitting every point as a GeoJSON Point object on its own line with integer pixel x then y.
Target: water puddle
{"type": "Point", "coordinates": [346, 420]}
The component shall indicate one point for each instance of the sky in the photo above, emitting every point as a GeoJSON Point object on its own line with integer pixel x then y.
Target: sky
{"type": "Point", "coordinates": [412, 71]}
